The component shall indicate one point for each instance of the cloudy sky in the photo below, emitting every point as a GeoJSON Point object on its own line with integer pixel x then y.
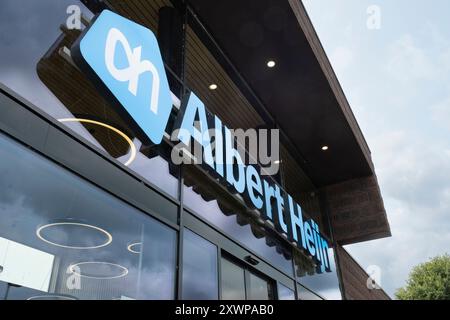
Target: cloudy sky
{"type": "Point", "coordinates": [397, 80]}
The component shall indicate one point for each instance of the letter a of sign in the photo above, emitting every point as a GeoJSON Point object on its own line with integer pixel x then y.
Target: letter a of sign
{"type": "Point", "coordinates": [124, 59]}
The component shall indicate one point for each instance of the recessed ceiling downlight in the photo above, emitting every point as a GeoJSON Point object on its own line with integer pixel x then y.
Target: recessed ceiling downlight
{"type": "Point", "coordinates": [271, 63]}
{"type": "Point", "coordinates": [213, 86]}
{"type": "Point", "coordinates": [56, 233]}
{"type": "Point", "coordinates": [98, 270]}
{"type": "Point", "coordinates": [324, 148]}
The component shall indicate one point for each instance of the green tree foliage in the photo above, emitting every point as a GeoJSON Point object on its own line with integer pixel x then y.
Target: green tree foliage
{"type": "Point", "coordinates": [428, 281]}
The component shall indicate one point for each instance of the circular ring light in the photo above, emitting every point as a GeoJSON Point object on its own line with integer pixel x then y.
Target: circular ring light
{"type": "Point", "coordinates": [120, 133]}
{"type": "Point", "coordinates": [78, 224]}
{"type": "Point", "coordinates": [135, 247]}
{"type": "Point", "coordinates": [122, 269]}
{"type": "Point", "coordinates": [51, 297]}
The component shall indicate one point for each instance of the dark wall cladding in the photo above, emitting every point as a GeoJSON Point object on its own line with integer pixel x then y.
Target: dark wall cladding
{"type": "Point", "coordinates": [355, 280]}
{"type": "Point", "coordinates": [34, 62]}
{"type": "Point", "coordinates": [355, 207]}
{"type": "Point", "coordinates": [82, 242]}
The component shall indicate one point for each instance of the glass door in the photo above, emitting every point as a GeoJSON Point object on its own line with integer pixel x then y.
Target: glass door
{"type": "Point", "coordinates": [216, 267]}
{"type": "Point", "coordinates": [232, 280]}
{"type": "Point", "coordinates": [258, 288]}
{"type": "Point", "coordinates": [240, 282]}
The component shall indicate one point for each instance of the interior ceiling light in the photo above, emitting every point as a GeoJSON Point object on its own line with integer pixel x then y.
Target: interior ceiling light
{"type": "Point", "coordinates": [39, 234]}
{"type": "Point", "coordinates": [135, 247]}
{"type": "Point", "coordinates": [119, 132]}
{"type": "Point", "coordinates": [76, 270]}
{"type": "Point", "coordinates": [51, 297]}
{"type": "Point", "coordinates": [271, 63]}
{"type": "Point", "coordinates": [213, 86]}
{"type": "Point", "coordinates": [324, 148]}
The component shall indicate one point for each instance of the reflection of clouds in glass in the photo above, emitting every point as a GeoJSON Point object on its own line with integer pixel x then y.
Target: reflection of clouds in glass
{"type": "Point", "coordinates": [27, 30]}
{"type": "Point", "coordinates": [331, 294]}
{"type": "Point", "coordinates": [100, 270]}
{"type": "Point", "coordinates": [284, 293]}
{"type": "Point", "coordinates": [325, 284]}
{"type": "Point", "coordinates": [233, 294]}
{"type": "Point", "coordinates": [232, 280]}
{"type": "Point", "coordinates": [304, 294]}
{"type": "Point", "coordinates": [36, 192]}
{"type": "Point", "coordinates": [156, 170]}
{"type": "Point", "coordinates": [155, 279]}
{"type": "Point", "coordinates": [210, 211]}
{"type": "Point", "coordinates": [258, 288]}
{"type": "Point", "coordinates": [157, 282]}
{"type": "Point", "coordinates": [199, 267]}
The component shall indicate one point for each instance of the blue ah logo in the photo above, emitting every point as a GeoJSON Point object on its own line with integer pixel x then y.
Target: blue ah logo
{"type": "Point", "coordinates": [125, 58]}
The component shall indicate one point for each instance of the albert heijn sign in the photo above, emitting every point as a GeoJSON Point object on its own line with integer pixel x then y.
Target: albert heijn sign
{"type": "Point", "coordinates": [123, 59]}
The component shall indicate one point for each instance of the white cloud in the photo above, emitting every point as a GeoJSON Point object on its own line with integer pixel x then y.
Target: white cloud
{"type": "Point", "coordinates": [341, 58]}
{"type": "Point", "coordinates": [441, 112]}
{"type": "Point", "coordinates": [409, 62]}
{"type": "Point", "coordinates": [414, 177]}
{"type": "Point", "coordinates": [394, 85]}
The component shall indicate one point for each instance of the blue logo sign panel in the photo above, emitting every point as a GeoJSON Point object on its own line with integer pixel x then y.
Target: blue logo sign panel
{"type": "Point", "coordinates": [125, 57]}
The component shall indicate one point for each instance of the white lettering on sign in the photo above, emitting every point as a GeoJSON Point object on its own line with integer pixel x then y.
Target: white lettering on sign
{"type": "Point", "coordinates": [135, 68]}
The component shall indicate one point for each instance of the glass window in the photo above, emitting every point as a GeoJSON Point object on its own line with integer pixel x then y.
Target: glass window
{"type": "Point", "coordinates": [200, 275]}
{"type": "Point", "coordinates": [258, 288]}
{"type": "Point", "coordinates": [28, 30]}
{"type": "Point", "coordinates": [210, 211]}
{"type": "Point", "coordinates": [325, 284]}
{"type": "Point", "coordinates": [284, 293]}
{"type": "Point", "coordinates": [156, 171]}
{"type": "Point", "coordinates": [33, 64]}
{"type": "Point", "coordinates": [305, 294]}
{"type": "Point", "coordinates": [233, 281]}
{"type": "Point", "coordinates": [61, 237]}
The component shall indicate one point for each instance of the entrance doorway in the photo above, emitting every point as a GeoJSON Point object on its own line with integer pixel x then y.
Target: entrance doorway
{"type": "Point", "coordinates": [216, 267]}
{"type": "Point", "coordinates": [239, 282]}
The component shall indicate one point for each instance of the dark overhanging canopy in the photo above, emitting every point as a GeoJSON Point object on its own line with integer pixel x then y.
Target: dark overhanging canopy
{"type": "Point", "coordinates": [306, 104]}
{"type": "Point", "coordinates": [302, 95]}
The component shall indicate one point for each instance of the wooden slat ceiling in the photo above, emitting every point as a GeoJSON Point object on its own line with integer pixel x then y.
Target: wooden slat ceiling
{"type": "Point", "coordinates": [227, 102]}
{"type": "Point", "coordinates": [297, 92]}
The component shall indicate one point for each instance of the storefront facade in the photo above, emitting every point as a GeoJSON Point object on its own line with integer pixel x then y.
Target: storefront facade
{"type": "Point", "coordinates": [92, 210]}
